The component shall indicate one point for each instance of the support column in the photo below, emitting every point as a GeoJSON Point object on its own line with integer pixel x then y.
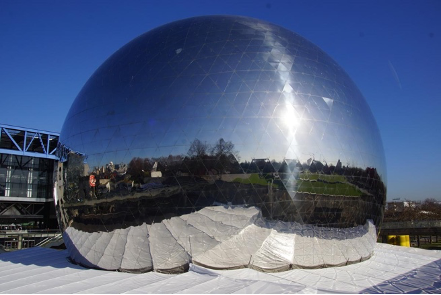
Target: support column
{"type": "Point", "coordinates": [20, 242]}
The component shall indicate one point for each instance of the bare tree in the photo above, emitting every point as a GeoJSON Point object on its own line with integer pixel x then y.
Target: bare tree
{"type": "Point", "coordinates": [222, 148]}
{"type": "Point", "coordinates": [197, 148]}
{"type": "Point", "coordinates": [429, 209]}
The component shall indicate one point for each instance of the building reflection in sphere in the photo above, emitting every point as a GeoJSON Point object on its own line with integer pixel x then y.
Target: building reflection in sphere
{"type": "Point", "coordinates": [212, 134]}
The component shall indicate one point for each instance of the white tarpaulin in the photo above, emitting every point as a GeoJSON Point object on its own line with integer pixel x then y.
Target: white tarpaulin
{"type": "Point", "coordinates": [221, 237]}
{"type": "Point", "coordinates": [391, 269]}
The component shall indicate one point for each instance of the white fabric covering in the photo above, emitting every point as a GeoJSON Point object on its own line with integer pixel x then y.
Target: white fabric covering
{"type": "Point", "coordinates": [221, 237]}
{"type": "Point", "coordinates": [193, 240]}
{"type": "Point", "coordinates": [113, 253]}
{"type": "Point", "coordinates": [235, 252]}
{"type": "Point", "coordinates": [166, 252]}
{"type": "Point", "coordinates": [391, 269]}
{"type": "Point", "coordinates": [137, 250]}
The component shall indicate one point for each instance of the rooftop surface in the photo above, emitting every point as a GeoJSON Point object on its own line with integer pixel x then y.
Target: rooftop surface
{"type": "Point", "coordinates": [392, 269]}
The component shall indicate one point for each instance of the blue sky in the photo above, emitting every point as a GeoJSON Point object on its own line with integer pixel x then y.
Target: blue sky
{"type": "Point", "coordinates": [391, 49]}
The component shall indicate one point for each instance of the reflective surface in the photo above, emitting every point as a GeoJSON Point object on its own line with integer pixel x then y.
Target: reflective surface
{"type": "Point", "coordinates": [218, 111]}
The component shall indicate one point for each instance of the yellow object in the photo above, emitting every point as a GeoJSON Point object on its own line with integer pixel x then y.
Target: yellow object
{"type": "Point", "coordinates": [399, 240]}
{"type": "Point", "coordinates": [403, 241]}
{"type": "Point", "coordinates": [391, 240]}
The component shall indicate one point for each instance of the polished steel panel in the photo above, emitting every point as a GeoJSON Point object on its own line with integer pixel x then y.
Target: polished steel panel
{"type": "Point", "coordinates": [219, 111]}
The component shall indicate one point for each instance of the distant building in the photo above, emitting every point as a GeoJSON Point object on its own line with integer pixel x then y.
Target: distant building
{"type": "Point", "coordinates": [27, 163]}
{"type": "Point", "coordinates": [155, 173]}
{"type": "Point", "coordinates": [398, 206]}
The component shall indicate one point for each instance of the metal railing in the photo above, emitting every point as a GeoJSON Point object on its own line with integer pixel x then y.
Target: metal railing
{"type": "Point", "coordinates": [20, 239]}
{"type": "Point", "coordinates": [412, 224]}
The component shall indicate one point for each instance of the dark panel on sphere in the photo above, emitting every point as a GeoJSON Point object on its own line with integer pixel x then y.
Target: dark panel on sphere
{"type": "Point", "coordinates": [219, 111]}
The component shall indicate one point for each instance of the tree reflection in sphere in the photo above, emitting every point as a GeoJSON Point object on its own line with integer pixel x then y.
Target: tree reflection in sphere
{"type": "Point", "coordinates": [221, 141]}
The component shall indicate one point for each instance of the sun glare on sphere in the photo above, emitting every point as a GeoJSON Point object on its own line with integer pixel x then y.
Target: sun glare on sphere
{"type": "Point", "coordinates": [290, 118]}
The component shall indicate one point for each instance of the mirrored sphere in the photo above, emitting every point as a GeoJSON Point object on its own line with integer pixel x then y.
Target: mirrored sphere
{"type": "Point", "coordinates": [222, 141]}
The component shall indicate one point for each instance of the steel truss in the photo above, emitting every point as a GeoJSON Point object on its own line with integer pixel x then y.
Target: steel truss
{"type": "Point", "coordinates": [21, 210]}
{"type": "Point", "coordinates": [28, 142]}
